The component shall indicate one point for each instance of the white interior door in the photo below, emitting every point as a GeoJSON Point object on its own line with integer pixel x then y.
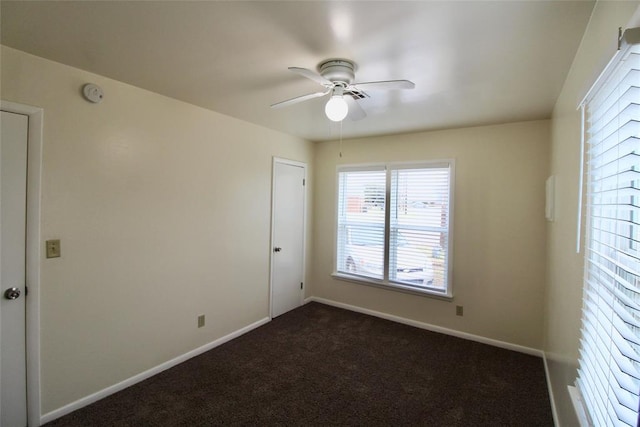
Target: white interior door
{"type": "Point", "coordinates": [287, 271]}
{"type": "Point", "coordinates": [13, 181]}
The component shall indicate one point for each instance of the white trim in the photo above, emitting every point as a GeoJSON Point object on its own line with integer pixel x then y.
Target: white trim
{"type": "Point", "coordinates": [302, 165]}
{"type": "Point", "coordinates": [34, 173]}
{"type": "Point", "coordinates": [450, 218]}
{"type": "Point", "coordinates": [580, 181]}
{"type": "Point", "coordinates": [290, 162]}
{"type": "Point", "coordinates": [552, 400]}
{"type": "Point", "coordinates": [364, 167]}
{"type": "Point", "coordinates": [392, 286]}
{"type": "Point", "coordinates": [87, 400]}
{"type": "Point", "coordinates": [578, 405]}
{"type": "Point", "coordinates": [383, 166]}
{"type": "Point", "coordinates": [430, 327]}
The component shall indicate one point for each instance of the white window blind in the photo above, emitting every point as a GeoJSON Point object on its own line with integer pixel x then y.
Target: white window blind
{"type": "Point", "coordinates": [419, 225]}
{"type": "Point", "coordinates": [393, 225]}
{"type": "Point", "coordinates": [609, 365]}
{"type": "Point", "coordinates": [361, 219]}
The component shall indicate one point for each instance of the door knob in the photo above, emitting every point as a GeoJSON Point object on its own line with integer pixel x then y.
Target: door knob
{"type": "Point", "coordinates": [12, 293]}
{"type": "Point", "coordinates": [277, 249]}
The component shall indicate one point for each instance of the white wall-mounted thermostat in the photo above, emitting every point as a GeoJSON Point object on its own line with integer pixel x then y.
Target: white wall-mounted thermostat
{"type": "Point", "coordinates": [92, 93]}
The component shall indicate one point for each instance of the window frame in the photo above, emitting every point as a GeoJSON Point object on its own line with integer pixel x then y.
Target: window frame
{"type": "Point", "coordinates": [385, 283]}
{"type": "Point", "coordinates": [595, 372]}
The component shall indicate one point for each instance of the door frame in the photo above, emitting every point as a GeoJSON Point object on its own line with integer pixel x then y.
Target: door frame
{"type": "Point", "coordinates": [33, 256]}
{"type": "Point", "coordinates": [279, 160]}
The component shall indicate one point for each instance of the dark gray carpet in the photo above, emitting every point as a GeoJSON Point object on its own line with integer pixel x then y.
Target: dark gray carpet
{"type": "Point", "coordinates": [320, 365]}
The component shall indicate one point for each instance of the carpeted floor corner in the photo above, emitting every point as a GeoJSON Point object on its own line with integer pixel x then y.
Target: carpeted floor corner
{"type": "Point", "coordinates": [321, 365]}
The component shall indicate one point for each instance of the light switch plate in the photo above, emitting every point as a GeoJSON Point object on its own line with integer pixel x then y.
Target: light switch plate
{"type": "Point", "coordinates": [53, 248]}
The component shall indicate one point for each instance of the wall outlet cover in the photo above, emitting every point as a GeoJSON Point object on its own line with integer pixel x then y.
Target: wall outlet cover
{"type": "Point", "coordinates": [53, 248]}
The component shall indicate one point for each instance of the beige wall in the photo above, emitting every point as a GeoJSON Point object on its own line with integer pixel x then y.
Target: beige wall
{"type": "Point", "coordinates": [163, 211]}
{"type": "Point", "coordinates": [498, 234]}
{"type": "Point", "coordinates": [564, 288]}
{"type": "Point", "coordinates": [161, 205]}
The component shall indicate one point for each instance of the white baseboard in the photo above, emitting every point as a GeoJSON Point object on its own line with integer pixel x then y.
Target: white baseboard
{"type": "Point", "coordinates": [552, 399]}
{"type": "Point", "coordinates": [50, 416]}
{"type": "Point", "coordinates": [430, 327]}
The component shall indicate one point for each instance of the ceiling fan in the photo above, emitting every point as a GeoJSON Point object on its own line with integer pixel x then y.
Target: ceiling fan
{"type": "Point", "coordinates": [337, 76]}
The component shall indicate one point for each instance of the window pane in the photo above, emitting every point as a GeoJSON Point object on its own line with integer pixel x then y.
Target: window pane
{"type": "Point", "coordinates": [361, 216]}
{"type": "Point", "coordinates": [419, 227]}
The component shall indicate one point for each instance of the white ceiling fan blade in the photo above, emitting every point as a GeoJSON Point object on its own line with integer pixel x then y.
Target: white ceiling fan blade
{"type": "Point", "coordinates": [355, 110]}
{"type": "Point", "coordinates": [299, 99]}
{"type": "Point", "coordinates": [311, 75]}
{"type": "Point", "coordinates": [385, 85]}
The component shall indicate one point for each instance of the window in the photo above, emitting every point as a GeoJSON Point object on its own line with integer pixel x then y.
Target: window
{"type": "Point", "coordinates": [609, 364]}
{"type": "Point", "coordinates": [393, 225]}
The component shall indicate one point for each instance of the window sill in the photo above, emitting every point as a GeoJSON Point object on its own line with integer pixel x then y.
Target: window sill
{"type": "Point", "coordinates": [392, 286]}
{"type": "Point", "coordinates": [578, 406]}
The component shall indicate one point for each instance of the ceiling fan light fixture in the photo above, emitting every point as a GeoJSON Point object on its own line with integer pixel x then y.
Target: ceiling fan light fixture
{"type": "Point", "coordinates": [337, 76]}
{"type": "Point", "coordinates": [336, 108]}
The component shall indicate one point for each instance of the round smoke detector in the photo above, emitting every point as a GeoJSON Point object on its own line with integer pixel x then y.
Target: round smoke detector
{"type": "Point", "coordinates": [92, 93]}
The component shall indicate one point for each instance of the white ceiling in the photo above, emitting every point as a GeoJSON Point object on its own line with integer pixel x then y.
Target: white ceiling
{"type": "Point", "coordinates": [472, 62]}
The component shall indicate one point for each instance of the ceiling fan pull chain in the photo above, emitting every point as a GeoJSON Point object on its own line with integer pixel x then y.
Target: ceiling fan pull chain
{"type": "Point", "coordinates": [340, 139]}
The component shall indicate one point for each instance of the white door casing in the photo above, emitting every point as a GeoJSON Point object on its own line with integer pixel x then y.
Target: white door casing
{"type": "Point", "coordinates": [31, 152]}
{"type": "Point", "coordinates": [13, 191]}
{"type": "Point", "coordinates": [287, 239]}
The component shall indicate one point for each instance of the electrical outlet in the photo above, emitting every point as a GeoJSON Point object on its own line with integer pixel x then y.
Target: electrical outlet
{"type": "Point", "coordinates": [53, 248]}
{"type": "Point", "coordinates": [201, 321]}
{"type": "Point", "coordinates": [459, 310]}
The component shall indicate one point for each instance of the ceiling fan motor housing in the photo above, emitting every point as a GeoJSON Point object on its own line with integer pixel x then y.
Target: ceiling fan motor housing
{"type": "Point", "coordinates": [338, 70]}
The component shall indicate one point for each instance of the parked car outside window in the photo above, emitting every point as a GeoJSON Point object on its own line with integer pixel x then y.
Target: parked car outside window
{"type": "Point", "coordinates": [364, 254]}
